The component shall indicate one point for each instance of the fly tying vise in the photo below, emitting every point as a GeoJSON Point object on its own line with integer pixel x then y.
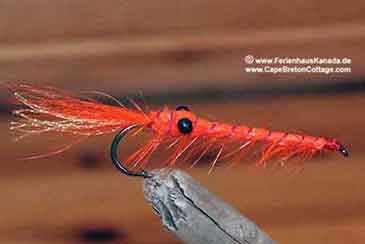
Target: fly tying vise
{"type": "Point", "coordinates": [47, 109]}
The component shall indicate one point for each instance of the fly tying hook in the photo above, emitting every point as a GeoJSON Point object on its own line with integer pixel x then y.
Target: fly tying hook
{"type": "Point", "coordinates": [114, 155]}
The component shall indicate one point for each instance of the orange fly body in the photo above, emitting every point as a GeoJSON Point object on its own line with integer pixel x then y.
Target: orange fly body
{"type": "Point", "coordinates": [47, 109]}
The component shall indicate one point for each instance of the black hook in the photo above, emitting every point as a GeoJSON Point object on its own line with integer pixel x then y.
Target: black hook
{"type": "Point", "coordinates": [114, 155]}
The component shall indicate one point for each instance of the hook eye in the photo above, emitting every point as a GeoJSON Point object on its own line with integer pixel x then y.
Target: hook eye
{"type": "Point", "coordinates": [114, 155]}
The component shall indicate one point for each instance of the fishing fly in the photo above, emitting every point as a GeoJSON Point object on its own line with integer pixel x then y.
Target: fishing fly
{"type": "Point", "coordinates": [48, 109]}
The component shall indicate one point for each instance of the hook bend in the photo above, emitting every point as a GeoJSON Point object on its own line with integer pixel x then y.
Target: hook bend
{"type": "Point", "coordinates": [114, 155]}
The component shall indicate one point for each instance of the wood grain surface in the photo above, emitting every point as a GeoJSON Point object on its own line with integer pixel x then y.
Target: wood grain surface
{"type": "Point", "coordinates": [167, 48]}
{"type": "Point", "coordinates": [122, 46]}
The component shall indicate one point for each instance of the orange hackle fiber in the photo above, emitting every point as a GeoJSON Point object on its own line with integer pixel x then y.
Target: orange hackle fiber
{"type": "Point", "coordinates": [47, 109]}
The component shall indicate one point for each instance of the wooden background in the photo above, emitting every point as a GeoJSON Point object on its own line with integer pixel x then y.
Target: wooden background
{"type": "Point", "coordinates": [191, 52]}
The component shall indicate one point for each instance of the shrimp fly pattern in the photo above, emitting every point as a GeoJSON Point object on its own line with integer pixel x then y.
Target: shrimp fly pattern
{"type": "Point", "coordinates": [47, 109]}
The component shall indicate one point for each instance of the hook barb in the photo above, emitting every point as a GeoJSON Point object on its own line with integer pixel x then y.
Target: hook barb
{"type": "Point", "coordinates": [114, 155]}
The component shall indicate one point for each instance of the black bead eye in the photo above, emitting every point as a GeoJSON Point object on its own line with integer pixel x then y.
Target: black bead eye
{"type": "Point", "coordinates": [343, 151]}
{"type": "Point", "coordinates": [185, 125]}
{"type": "Point", "coordinates": [182, 107]}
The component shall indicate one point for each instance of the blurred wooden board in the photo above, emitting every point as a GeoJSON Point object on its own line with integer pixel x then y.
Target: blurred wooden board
{"type": "Point", "coordinates": [173, 45]}
{"type": "Point", "coordinates": [166, 46]}
{"type": "Point", "coordinates": [179, 61]}
{"type": "Point", "coordinates": [66, 19]}
{"type": "Point", "coordinates": [53, 200]}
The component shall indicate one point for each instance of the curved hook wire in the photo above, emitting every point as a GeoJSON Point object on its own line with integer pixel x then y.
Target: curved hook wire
{"type": "Point", "coordinates": [114, 155]}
